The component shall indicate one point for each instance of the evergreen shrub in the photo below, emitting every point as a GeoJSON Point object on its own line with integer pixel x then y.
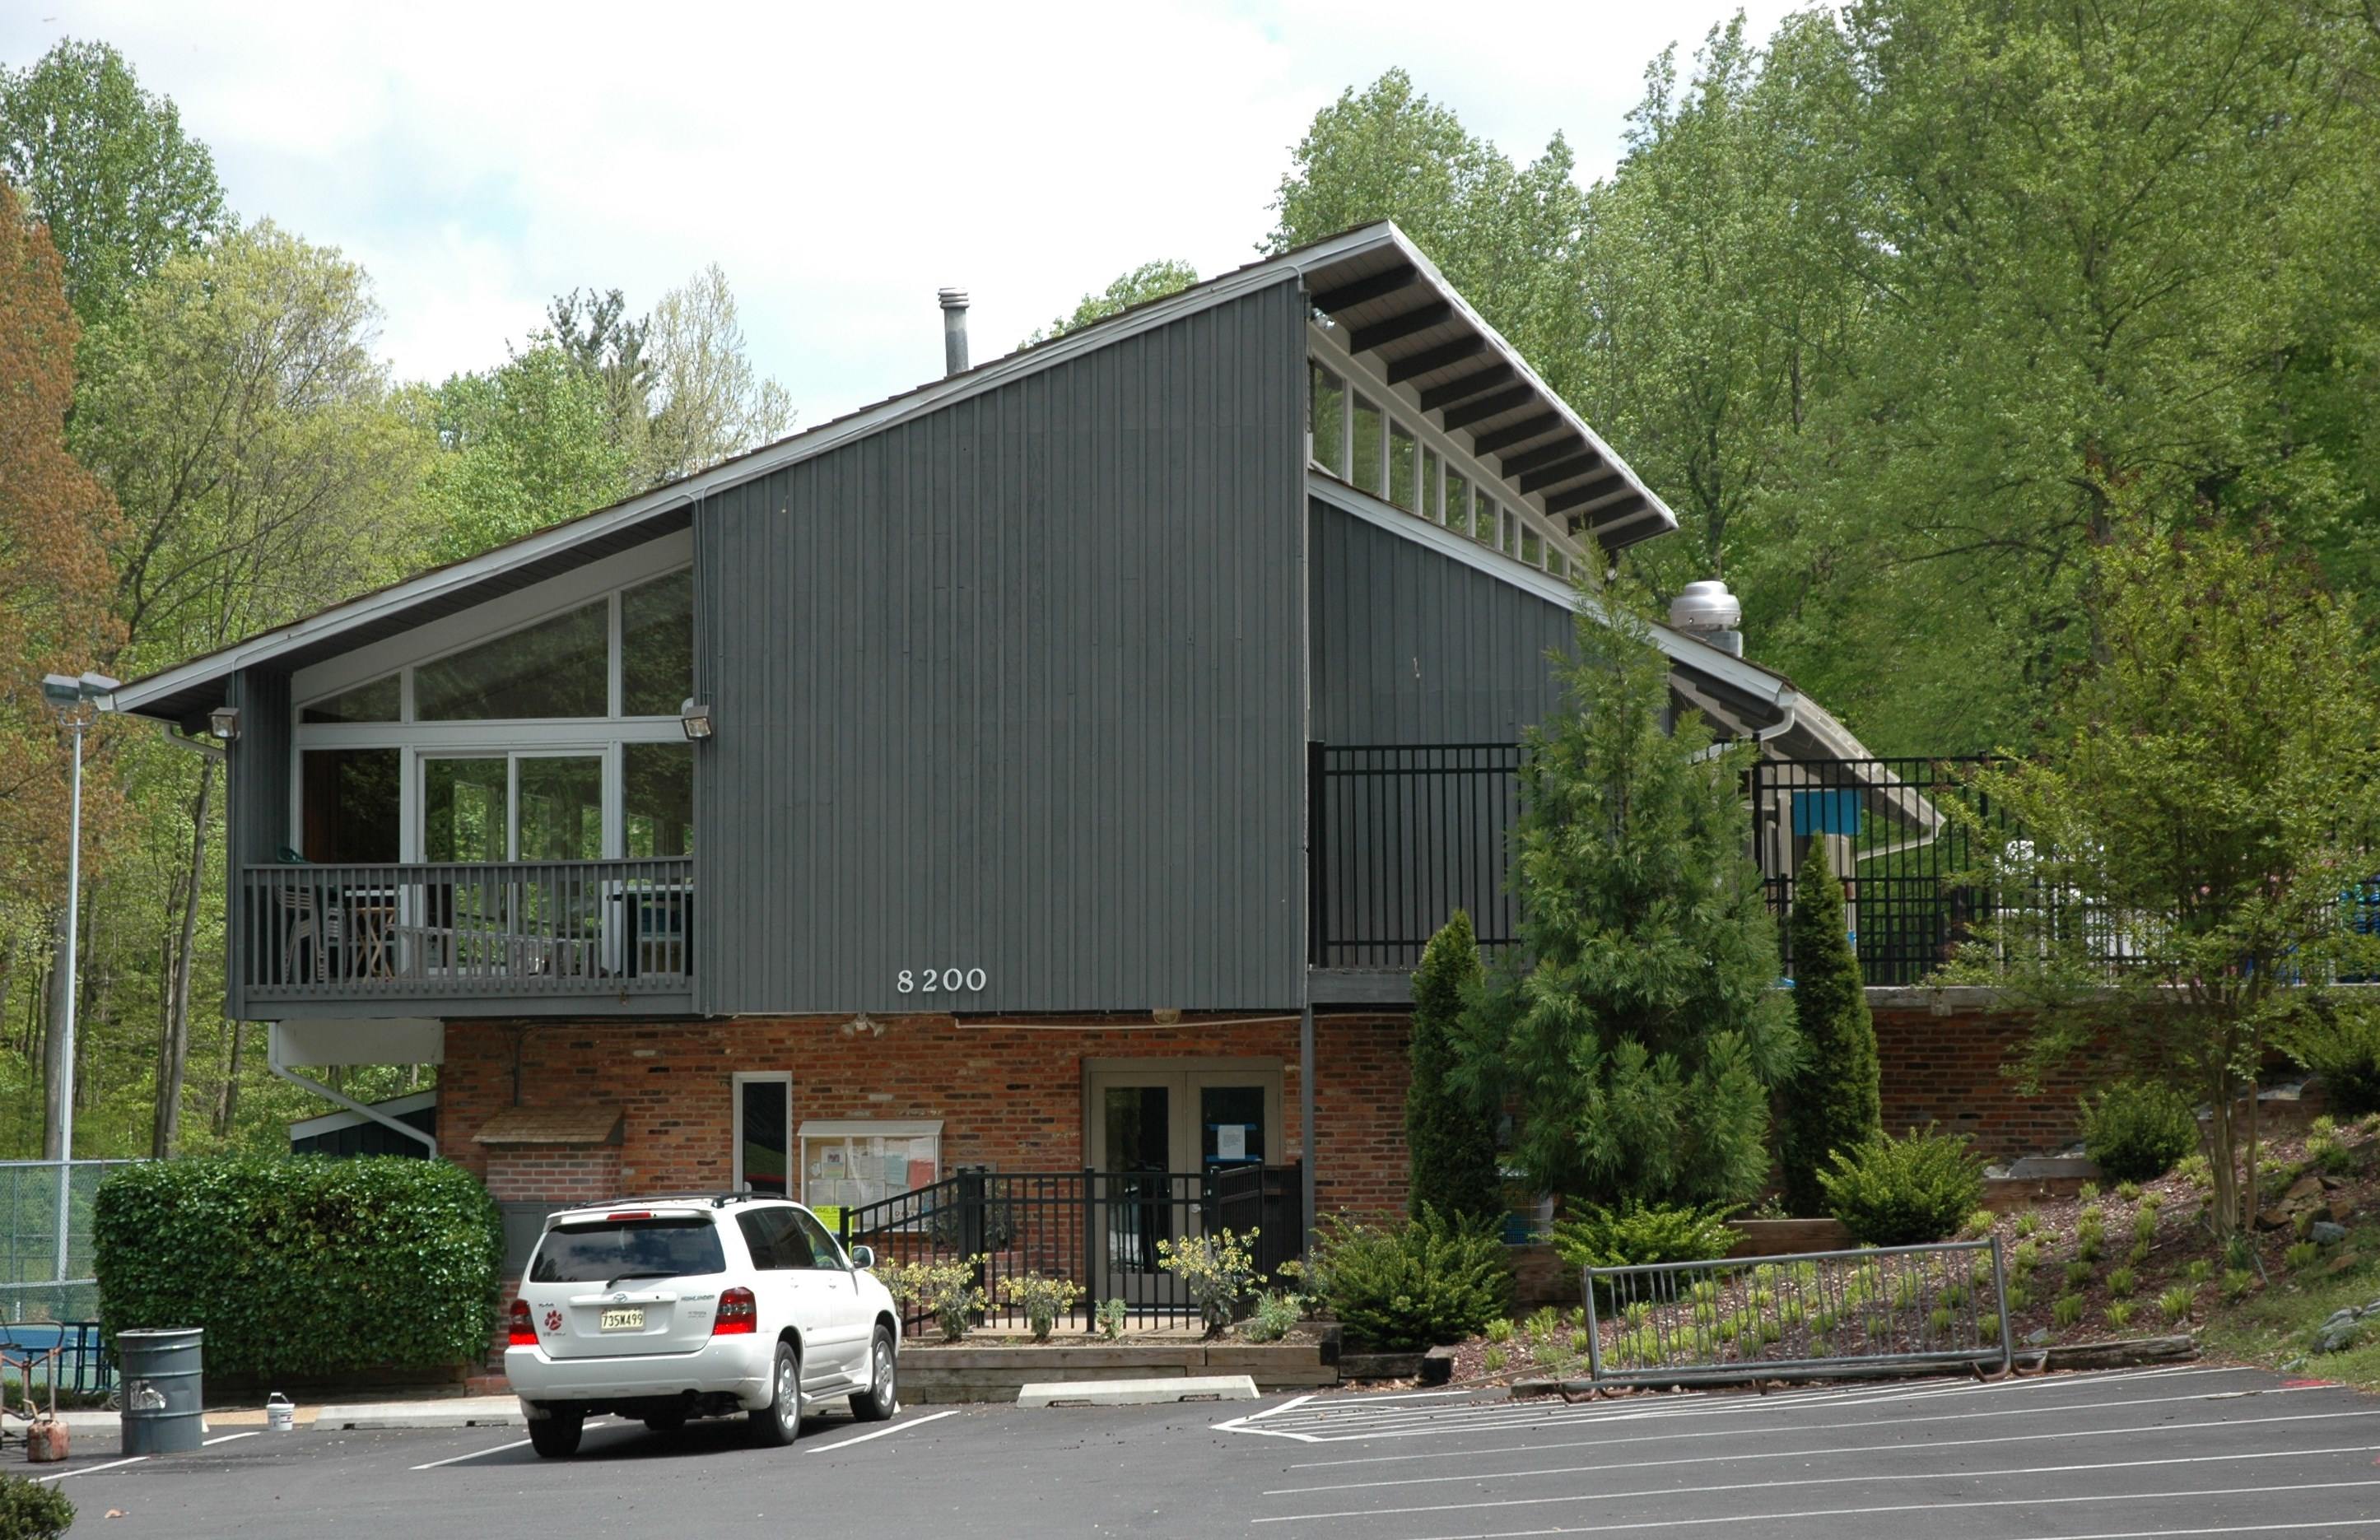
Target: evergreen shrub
{"type": "Point", "coordinates": [1836, 1100]}
{"type": "Point", "coordinates": [1424, 1284]}
{"type": "Point", "coordinates": [303, 1264]}
{"type": "Point", "coordinates": [1904, 1191]}
{"type": "Point", "coordinates": [1453, 1148]}
{"type": "Point", "coordinates": [2138, 1130]}
{"type": "Point", "coordinates": [28, 1512]}
{"type": "Point", "coordinates": [1641, 1234]}
{"type": "Point", "coordinates": [2342, 1046]}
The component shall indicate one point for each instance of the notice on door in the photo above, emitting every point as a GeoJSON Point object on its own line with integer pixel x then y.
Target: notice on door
{"type": "Point", "coordinates": [1231, 1141]}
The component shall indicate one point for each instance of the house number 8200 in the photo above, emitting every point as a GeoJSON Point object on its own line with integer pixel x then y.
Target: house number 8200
{"type": "Point", "coordinates": [940, 980]}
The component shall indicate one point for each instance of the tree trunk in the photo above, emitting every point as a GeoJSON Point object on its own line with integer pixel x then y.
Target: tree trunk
{"type": "Point", "coordinates": [228, 1106]}
{"type": "Point", "coordinates": [175, 1059]}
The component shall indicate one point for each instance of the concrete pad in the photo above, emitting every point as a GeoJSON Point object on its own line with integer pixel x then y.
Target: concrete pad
{"type": "Point", "coordinates": [446, 1412]}
{"type": "Point", "coordinates": [1139, 1392]}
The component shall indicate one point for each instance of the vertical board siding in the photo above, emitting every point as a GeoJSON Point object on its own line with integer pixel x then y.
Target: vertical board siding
{"type": "Point", "coordinates": [1412, 646]}
{"type": "Point", "coordinates": [257, 772]}
{"type": "Point", "coordinates": [1016, 685]}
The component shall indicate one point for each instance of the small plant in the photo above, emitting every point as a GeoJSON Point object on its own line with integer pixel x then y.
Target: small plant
{"type": "Point", "coordinates": [2301, 1223]}
{"type": "Point", "coordinates": [946, 1291]}
{"type": "Point", "coordinates": [2343, 1047]}
{"type": "Point", "coordinates": [1900, 1192]}
{"type": "Point", "coordinates": [1499, 1330]}
{"type": "Point", "coordinates": [1113, 1316]}
{"type": "Point", "coordinates": [2299, 1257]}
{"type": "Point", "coordinates": [1955, 1295]}
{"type": "Point", "coordinates": [2079, 1273]}
{"type": "Point", "coordinates": [1043, 1299]}
{"type": "Point", "coordinates": [2144, 1224]}
{"type": "Point", "coordinates": [1418, 1284]}
{"type": "Point", "coordinates": [2018, 1298]}
{"type": "Point", "coordinates": [2067, 1310]}
{"type": "Point", "coordinates": [2194, 1170]}
{"type": "Point", "coordinates": [1275, 1312]}
{"type": "Point", "coordinates": [1217, 1271]}
{"type": "Point", "coordinates": [2235, 1284]}
{"type": "Point", "coordinates": [2152, 1200]}
{"type": "Point", "coordinates": [2027, 1223]}
{"type": "Point", "coordinates": [2091, 1213]}
{"type": "Point", "coordinates": [1979, 1224]}
{"type": "Point", "coordinates": [2089, 1242]}
{"type": "Point", "coordinates": [1940, 1321]}
{"type": "Point", "coordinates": [2199, 1272]}
{"type": "Point", "coordinates": [2026, 1257]}
{"type": "Point", "coordinates": [2088, 1191]}
{"type": "Point", "coordinates": [1494, 1360]}
{"type": "Point", "coordinates": [2176, 1301]}
{"type": "Point", "coordinates": [1636, 1234]}
{"type": "Point", "coordinates": [30, 1512]}
{"type": "Point", "coordinates": [2129, 1191]}
{"type": "Point", "coordinates": [2137, 1130]}
{"type": "Point", "coordinates": [2139, 1255]}
{"type": "Point", "coordinates": [2121, 1282]}
{"type": "Point", "coordinates": [2119, 1313]}
{"type": "Point", "coordinates": [2239, 1252]}
{"type": "Point", "coordinates": [1542, 1325]}
{"type": "Point", "coordinates": [2329, 1155]}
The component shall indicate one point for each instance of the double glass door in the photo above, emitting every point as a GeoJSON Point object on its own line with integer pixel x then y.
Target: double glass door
{"type": "Point", "coordinates": [1155, 1132]}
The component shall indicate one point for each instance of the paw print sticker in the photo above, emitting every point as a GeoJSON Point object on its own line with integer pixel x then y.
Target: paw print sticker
{"type": "Point", "coordinates": [553, 1320]}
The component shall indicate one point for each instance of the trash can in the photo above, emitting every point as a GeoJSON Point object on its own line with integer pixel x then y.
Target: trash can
{"type": "Point", "coordinates": [164, 1412]}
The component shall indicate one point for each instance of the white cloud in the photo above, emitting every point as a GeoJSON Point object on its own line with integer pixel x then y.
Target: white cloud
{"type": "Point", "coordinates": [840, 163]}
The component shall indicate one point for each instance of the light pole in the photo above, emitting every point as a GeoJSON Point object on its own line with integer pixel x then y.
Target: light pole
{"type": "Point", "coordinates": [76, 701]}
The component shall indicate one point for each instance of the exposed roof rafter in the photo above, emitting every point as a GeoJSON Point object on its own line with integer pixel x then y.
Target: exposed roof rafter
{"type": "Point", "coordinates": [1396, 328]}
{"type": "Point", "coordinates": [1402, 370]}
{"type": "Point", "coordinates": [1520, 433]}
{"type": "Point", "coordinates": [1346, 296]}
{"type": "Point", "coordinates": [1489, 406]}
{"type": "Point", "coordinates": [1439, 396]}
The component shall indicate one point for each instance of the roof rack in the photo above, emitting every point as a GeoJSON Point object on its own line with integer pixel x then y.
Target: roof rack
{"type": "Point", "coordinates": [716, 1200]}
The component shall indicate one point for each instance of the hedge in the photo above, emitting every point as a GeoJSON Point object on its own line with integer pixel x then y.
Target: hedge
{"type": "Point", "coordinates": [304, 1265]}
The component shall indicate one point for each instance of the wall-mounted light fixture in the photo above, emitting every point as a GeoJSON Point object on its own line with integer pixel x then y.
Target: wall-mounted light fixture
{"type": "Point", "coordinates": [224, 722]}
{"type": "Point", "coordinates": [695, 717]}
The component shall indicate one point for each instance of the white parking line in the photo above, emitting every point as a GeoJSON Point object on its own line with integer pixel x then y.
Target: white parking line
{"type": "Point", "coordinates": [1939, 1507]}
{"type": "Point", "coordinates": [65, 1475]}
{"type": "Point", "coordinates": [475, 1454]}
{"type": "Point", "coordinates": [1476, 1504]}
{"type": "Point", "coordinates": [1831, 1452]}
{"type": "Point", "coordinates": [228, 1437]}
{"type": "Point", "coordinates": [1556, 1420]}
{"type": "Point", "coordinates": [884, 1432]}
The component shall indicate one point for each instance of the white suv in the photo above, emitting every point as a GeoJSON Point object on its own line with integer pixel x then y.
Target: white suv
{"type": "Point", "coordinates": [678, 1307]}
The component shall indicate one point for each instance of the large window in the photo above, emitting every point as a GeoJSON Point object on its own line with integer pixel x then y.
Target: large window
{"type": "Point", "coordinates": [382, 700]}
{"type": "Point", "coordinates": [657, 799]}
{"type": "Point", "coordinates": [1369, 448]}
{"type": "Point", "coordinates": [1326, 419]}
{"type": "Point", "coordinates": [1405, 481]}
{"type": "Point", "coordinates": [556, 668]}
{"type": "Point", "coordinates": [354, 814]}
{"type": "Point", "coordinates": [657, 646]}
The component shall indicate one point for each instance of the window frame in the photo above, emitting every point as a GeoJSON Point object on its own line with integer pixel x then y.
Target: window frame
{"type": "Point", "coordinates": [736, 1082]}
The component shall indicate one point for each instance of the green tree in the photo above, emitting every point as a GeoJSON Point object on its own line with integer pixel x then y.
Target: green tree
{"type": "Point", "coordinates": [2207, 796]}
{"type": "Point", "coordinates": [1149, 281]}
{"type": "Point", "coordinates": [1835, 1100]}
{"type": "Point", "coordinates": [526, 444]}
{"type": "Point", "coordinates": [106, 164]}
{"type": "Point", "coordinates": [1645, 1034]}
{"type": "Point", "coordinates": [608, 345]}
{"type": "Point", "coordinates": [1452, 1146]}
{"type": "Point", "coordinates": [708, 402]}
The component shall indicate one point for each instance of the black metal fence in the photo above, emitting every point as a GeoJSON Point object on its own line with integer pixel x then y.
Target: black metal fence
{"type": "Point", "coordinates": [1099, 1229]}
{"type": "Point", "coordinates": [1399, 837]}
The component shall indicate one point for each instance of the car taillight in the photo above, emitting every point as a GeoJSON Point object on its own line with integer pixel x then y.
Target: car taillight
{"type": "Point", "coordinates": [737, 1314]}
{"type": "Point", "coordinates": [523, 1334]}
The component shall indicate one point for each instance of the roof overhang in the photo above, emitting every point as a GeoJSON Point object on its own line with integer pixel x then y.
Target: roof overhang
{"type": "Point", "coordinates": [1396, 302]}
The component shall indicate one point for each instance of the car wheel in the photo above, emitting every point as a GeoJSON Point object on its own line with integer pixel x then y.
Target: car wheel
{"type": "Point", "coordinates": [882, 1397]}
{"type": "Point", "coordinates": [777, 1424]}
{"type": "Point", "coordinates": [555, 1434]}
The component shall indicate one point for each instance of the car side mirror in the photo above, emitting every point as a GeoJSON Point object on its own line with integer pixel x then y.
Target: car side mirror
{"type": "Point", "coordinates": [862, 1256]}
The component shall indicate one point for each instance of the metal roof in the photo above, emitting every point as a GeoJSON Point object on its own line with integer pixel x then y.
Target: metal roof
{"type": "Point", "coordinates": [1372, 280]}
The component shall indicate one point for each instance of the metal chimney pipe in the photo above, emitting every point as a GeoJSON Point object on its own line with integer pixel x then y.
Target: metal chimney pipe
{"type": "Point", "coordinates": [955, 348]}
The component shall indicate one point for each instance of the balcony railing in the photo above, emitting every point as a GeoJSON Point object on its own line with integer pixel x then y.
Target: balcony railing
{"type": "Point", "coordinates": [442, 931]}
{"type": "Point", "coordinates": [1399, 837]}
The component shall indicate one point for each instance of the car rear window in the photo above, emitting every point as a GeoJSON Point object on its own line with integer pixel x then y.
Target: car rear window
{"type": "Point", "coordinates": [601, 1250]}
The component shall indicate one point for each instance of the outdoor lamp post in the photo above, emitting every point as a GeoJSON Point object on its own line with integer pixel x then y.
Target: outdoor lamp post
{"type": "Point", "coordinates": [76, 701]}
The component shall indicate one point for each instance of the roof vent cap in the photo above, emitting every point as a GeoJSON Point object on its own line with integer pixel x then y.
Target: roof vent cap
{"type": "Point", "coordinates": [1705, 606]}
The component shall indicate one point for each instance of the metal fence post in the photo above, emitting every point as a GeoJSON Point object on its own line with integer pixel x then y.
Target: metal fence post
{"type": "Point", "coordinates": [1999, 1291]}
{"type": "Point", "coordinates": [971, 1224]}
{"type": "Point", "coordinates": [1091, 1290]}
{"type": "Point", "coordinates": [1594, 1329]}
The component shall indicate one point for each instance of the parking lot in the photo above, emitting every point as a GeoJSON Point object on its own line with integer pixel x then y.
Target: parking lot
{"type": "Point", "coordinates": [2196, 1451]}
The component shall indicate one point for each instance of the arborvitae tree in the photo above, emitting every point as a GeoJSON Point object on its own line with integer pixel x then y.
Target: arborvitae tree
{"type": "Point", "coordinates": [1644, 1033]}
{"type": "Point", "coordinates": [1453, 1148]}
{"type": "Point", "coordinates": [1834, 1101]}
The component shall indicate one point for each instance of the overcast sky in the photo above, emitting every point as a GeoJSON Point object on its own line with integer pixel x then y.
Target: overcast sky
{"type": "Point", "coordinates": [840, 161]}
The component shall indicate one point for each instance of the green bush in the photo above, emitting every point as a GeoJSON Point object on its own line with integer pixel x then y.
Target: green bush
{"type": "Point", "coordinates": [32, 1513]}
{"type": "Point", "coordinates": [1834, 1100]}
{"type": "Point", "coordinates": [1640, 1234]}
{"type": "Point", "coordinates": [1904, 1191]}
{"type": "Point", "coordinates": [303, 1266]}
{"type": "Point", "coordinates": [1423, 1283]}
{"type": "Point", "coordinates": [2137, 1130]}
{"type": "Point", "coordinates": [1451, 1148]}
{"type": "Point", "coordinates": [2341, 1044]}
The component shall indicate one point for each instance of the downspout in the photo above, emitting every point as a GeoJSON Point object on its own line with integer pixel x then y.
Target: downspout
{"type": "Point", "coordinates": [273, 1059]}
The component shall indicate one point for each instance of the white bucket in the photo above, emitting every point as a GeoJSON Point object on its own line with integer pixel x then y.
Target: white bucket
{"type": "Point", "coordinates": [279, 1415]}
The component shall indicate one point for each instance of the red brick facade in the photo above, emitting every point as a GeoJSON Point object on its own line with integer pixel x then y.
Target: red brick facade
{"type": "Point", "coordinates": [1947, 1068]}
{"type": "Point", "coordinates": [1010, 1097]}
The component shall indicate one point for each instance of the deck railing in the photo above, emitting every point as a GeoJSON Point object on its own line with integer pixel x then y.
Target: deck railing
{"type": "Point", "coordinates": [1402, 835]}
{"type": "Point", "coordinates": [440, 931]}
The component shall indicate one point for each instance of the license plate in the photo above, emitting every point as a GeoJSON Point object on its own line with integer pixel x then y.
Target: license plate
{"type": "Point", "coordinates": [624, 1320]}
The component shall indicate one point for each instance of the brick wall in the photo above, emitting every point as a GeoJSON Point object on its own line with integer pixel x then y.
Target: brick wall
{"type": "Point", "coordinates": [1943, 1058]}
{"type": "Point", "coordinates": [1009, 1097]}
{"type": "Point", "coordinates": [562, 1175]}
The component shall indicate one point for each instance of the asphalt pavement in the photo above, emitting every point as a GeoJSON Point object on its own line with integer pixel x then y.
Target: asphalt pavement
{"type": "Point", "coordinates": [2196, 1451]}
